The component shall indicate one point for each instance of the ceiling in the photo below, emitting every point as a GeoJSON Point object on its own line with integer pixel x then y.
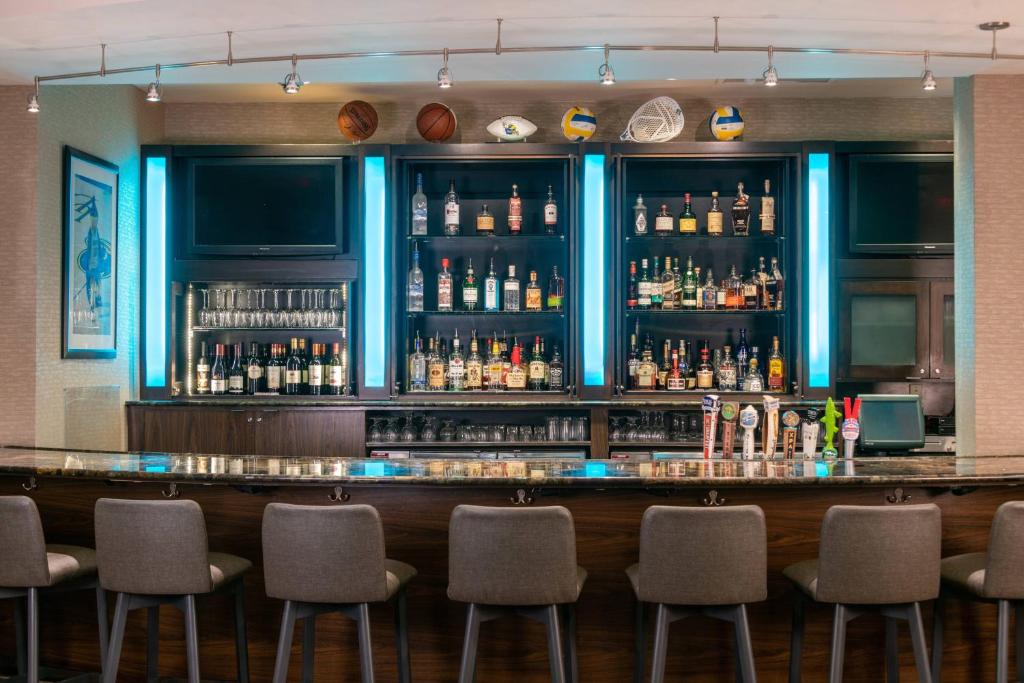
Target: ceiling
{"type": "Point", "coordinates": [40, 37]}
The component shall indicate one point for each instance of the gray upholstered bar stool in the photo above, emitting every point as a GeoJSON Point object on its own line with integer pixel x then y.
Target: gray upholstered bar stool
{"type": "Point", "coordinates": [709, 561]}
{"type": "Point", "coordinates": [996, 576]}
{"type": "Point", "coordinates": [30, 567]}
{"type": "Point", "coordinates": [154, 553]}
{"type": "Point", "coordinates": [331, 559]}
{"type": "Point", "coordinates": [871, 559]}
{"type": "Point", "coordinates": [516, 561]}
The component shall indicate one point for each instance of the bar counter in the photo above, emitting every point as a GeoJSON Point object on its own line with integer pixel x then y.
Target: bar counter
{"type": "Point", "coordinates": [415, 499]}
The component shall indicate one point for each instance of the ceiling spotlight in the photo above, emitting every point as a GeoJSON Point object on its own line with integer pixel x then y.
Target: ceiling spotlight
{"type": "Point", "coordinates": [293, 81]}
{"type": "Point", "coordinates": [155, 93]}
{"type": "Point", "coordinates": [33, 100]}
{"type": "Point", "coordinates": [444, 75]}
{"type": "Point", "coordinates": [927, 78]}
{"type": "Point", "coordinates": [605, 70]}
{"type": "Point", "coordinates": [770, 75]}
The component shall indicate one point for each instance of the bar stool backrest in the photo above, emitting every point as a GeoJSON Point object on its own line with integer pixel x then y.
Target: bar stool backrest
{"type": "Point", "coordinates": [703, 556]}
{"type": "Point", "coordinates": [152, 547]}
{"type": "Point", "coordinates": [512, 556]}
{"type": "Point", "coordinates": [1004, 571]}
{"type": "Point", "coordinates": [22, 544]}
{"type": "Point", "coordinates": [324, 554]}
{"type": "Point", "coordinates": [879, 555]}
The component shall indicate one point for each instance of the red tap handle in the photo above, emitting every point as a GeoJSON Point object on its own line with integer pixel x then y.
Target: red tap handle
{"type": "Point", "coordinates": [851, 408]}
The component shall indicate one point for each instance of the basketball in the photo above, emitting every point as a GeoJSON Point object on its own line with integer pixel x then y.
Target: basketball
{"type": "Point", "coordinates": [357, 120]}
{"type": "Point", "coordinates": [436, 122]}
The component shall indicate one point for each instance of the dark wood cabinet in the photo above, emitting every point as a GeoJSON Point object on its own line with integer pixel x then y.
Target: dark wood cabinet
{"type": "Point", "coordinates": [312, 433]}
{"type": "Point", "coordinates": [941, 329]}
{"type": "Point", "coordinates": [188, 429]}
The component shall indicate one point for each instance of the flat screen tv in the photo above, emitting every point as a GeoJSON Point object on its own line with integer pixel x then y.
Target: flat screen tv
{"type": "Point", "coordinates": [246, 206]}
{"type": "Point", "coordinates": [901, 203]}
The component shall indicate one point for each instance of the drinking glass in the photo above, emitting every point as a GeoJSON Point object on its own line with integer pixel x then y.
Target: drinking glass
{"type": "Point", "coordinates": [565, 430]}
{"type": "Point", "coordinates": [409, 431]}
{"type": "Point", "coordinates": [334, 305]}
{"type": "Point", "coordinates": [429, 431]}
{"type": "Point", "coordinates": [376, 434]}
{"type": "Point", "coordinates": [582, 430]}
{"type": "Point", "coordinates": [447, 432]}
{"type": "Point", "coordinates": [277, 315]}
{"type": "Point", "coordinates": [391, 430]}
{"type": "Point", "coordinates": [204, 312]}
{"type": "Point", "coordinates": [553, 428]}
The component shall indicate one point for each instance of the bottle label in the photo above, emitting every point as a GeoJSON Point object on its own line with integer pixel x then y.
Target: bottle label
{"type": "Point", "coordinates": [775, 374]}
{"type": "Point", "coordinates": [516, 378]}
{"type": "Point", "coordinates": [469, 296]}
{"type": "Point", "coordinates": [640, 225]}
{"type": "Point", "coordinates": [767, 215]}
{"type": "Point", "coordinates": [537, 370]}
{"type": "Point", "coordinates": [435, 376]}
{"type": "Point", "coordinates": [555, 378]}
{"type": "Point", "coordinates": [705, 378]}
{"type": "Point", "coordinates": [515, 214]}
{"type": "Point", "coordinates": [474, 375]}
{"type": "Point", "coordinates": [645, 375]}
{"type": "Point", "coordinates": [533, 299]}
{"type": "Point", "coordinates": [444, 295]}
{"type": "Point", "coordinates": [491, 294]}
{"type": "Point", "coordinates": [203, 380]}
{"type": "Point", "coordinates": [255, 371]}
{"type": "Point", "coordinates": [512, 296]}
{"type": "Point", "coordinates": [720, 298]}
{"type": "Point", "coordinates": [688, 226]}
{"type": "Point", "coordinates": [714, 223]}
{"type": "Point", "coordinates": [451, 213]}
{"type": "Point", "coordinates": [727, 377]}
{"type": "Point", "coordinates": [485, 223]}
{"type": "Point", "coordinates": [495, 375]}
{"type": "Point", "coordinates": [419, 220]}
{"type": "Point", "coordinates": [554, 301]}
{"type": "Point", "coordinates": [293, 376]}
{"type": "Point", "coordinates": [752, 384]}
{"type": "Point", "coordinates": [217, 386]}
{"type": "Point", "coordinates": [550, 214]}
{"type": "Point", "coordinates": [456, 373]}
{"type": "Point", "coordinates": [274, 377]}
{"type": "Point", "coordinates": [316, 375]}
{"type": "Point", "coordinates": [663, 224]}
{"type": "Point", "coordinates": [644, 293]}
{"type": "Point", "coordinates": [235, 383]}
{"type": "Point", "coordinates": [335, 376]}
{"type": "Point", "coordinates": [675, 383]}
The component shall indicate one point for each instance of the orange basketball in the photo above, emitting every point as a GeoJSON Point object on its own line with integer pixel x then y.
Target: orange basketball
{"type": "Point", "coordinates": [357, 120]}
{"type": "Point", "coordinates": [436, 122]}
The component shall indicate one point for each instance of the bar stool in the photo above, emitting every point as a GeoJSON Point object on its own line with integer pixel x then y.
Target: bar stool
{"type": "Point", "coordinates": [29, 566]}
{"type": "Point", "coordinates": [154, 553]}
{"type": "Point", "coordinates": [994, 577]}
{"type": "Point", "coordinates": [872, 559]}
{"type": "Point", "coordinates": [340, 568]}
{"type": "Point", "coordinates": [522, 561]}
{"type": "Point", "coordinates": [709, 561]}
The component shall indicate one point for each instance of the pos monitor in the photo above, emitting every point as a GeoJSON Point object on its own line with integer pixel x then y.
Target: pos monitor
{"type": "Point", "coordinates": [891, 423]}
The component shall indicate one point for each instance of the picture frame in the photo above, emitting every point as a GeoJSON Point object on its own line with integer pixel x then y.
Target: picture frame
{"type": "Point", "coordinates": [90, 194]}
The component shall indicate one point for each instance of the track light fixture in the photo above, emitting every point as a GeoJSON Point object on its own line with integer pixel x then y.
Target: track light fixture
{"type": "Point", "coordinates": [444, 75]}
{"type": "Point", "coordinates": [293, 81]}
{"type": "Point", "coordinates": [33, 100]}
{"type": "Point", "coordinates": [927, 78]}
{"type": "Point", "coordinates": [155, 92]}
{"type": "Point", "coordinates": [605, 70]}
{"type": "Point", "coordinates": [770, 75]}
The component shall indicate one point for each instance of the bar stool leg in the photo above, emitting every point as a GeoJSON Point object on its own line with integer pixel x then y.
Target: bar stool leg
{"type": "Point", "coordinates": [402, 636]}
{"type": "Point", "coordinates": [938, 635]}
{"type": "Point", "coordinates": [571, 667]}
{"type": "Point", "coordinates": [744, 646]}
{"type": "Point", "coordinates": [1002, 644]}
{"type": "Point", "coordinates": [284, 642]}
{"type": "Point", "coordinates": [101, 623]}
{"type": "Point", "coordinates": [467, 670]}
{"type": "Point", "coordinates": [153, 644]}
{"type": "Point", "coordinates": [241, 638]}
{"type": "Point", "coordinates": [33, 635]}
{"type": "Point", "coordinates": [796, 639]}
{"type": "Point", "coordinates": [838, 644]}
{"type": "Point", "coordinates": [19, 635]}
{"type": "Point", "coordinates": [1018, 608]}
{"type": "Point", "coordinates": [116, 638]}
{"type": "Point", "coordinates": [916, 623]}
{"type": "Point", "coordinates": [365, 644]}
{"type": "Point", "coordinates": [191, 639]}
{"type": "Point", "coordinates": [555, 655]}
{"type": "Point", "coordinates": [660, 645]}
{"type": "Point", "coordinates": [640, 646]}
{"type": "Point", "coordinates": [892, 650]}
{"type": "Point", "coordinates": [308, 647]}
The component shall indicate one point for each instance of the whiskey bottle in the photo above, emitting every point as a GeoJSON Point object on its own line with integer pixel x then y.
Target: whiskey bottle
{"type": "Point", "coordinates": [710, 299]}
{"type": "Point", "coordinates": [419, 208]}
{"type": "Point", "coordinates": [767, 210]}
{"type": "Point", "coordinates": [435, 366]}
{"type": "Point", "coordinates": [491, 289]}
{"type": "Point", "coordinates": [456, 366]}
{"type": "Point", "coordinates": [236, 377]}
{"type": "Point", "coordinates": [218, 371]}
{"type": "Point", "coordinates": [727, 371]}
{"type": "Point", "coordinates": [515, 212]}
{"type": "Point", "coordinates": [203, 370]}
{"type": "Point", "coordinates": [777, 290]}
{"type": "Point", "coordinates": [516, 379]}
{"type": "Point", "coordinates": [533, 295]}
{"type": "Point", "coordinates": [643, 288]}
{"type": "Point", "coordinates": [656, 286]}
{"type": "Point", "coordinates": [750, 292]}
{"type": "Point", "coordinates": [715, 217]}
{"type": "Point", "coordinates": [666, 364]}
{"type": "Point", "coordinates": [254, 373]}
{"type": "Point", "coordinates": [741, 212]}
{"type": "Point", "coordinates": [668, 281]}
{"type": "Point", "coordinates": [495, 368]}
{"type": "Point", "coordinates": [687, 219]}
{"type": "Point", "coordinates": [484, 222]}
{"type": "Point", "coordinates": [689, 286]}
{"type": "Point", "coordinates": [470, 290]}
{"type": "Point", "coordinates": [639, 216]}
{"type": "Point", "coordinates": [555, 370]}
{"type": "Point", "coordinates": [537, 372]}
{"type": "Point", "coordinates": [677, 286]}
{"type": "Point", "coordinates": [700, 287]}
{"type": "Point", "coordinates": [705, 371]}
{"type": "Point", "coordinates": [316, 371]}
{"type": "Point", "coordinates": [556, 290]}
{"type": "Point", "coordinates": [551, 214]}
{"type": "Point", "coordinates": [511, 290]}
{"type": "Point", "coordinates": [764, 297]}
{"type": "Point", "coordinates": [632, 362]}
{"type": "Point", "coordinates": [474, 366]}
{"type": "Point", "coordinates": [663, 221]}
{"type": "Point", "coordinates": [647, 370]}
{"type": "Point", "coordinates": [632, 293]}
{"type": "Point", "coordinates": [444, 287]}
{"type": "Point", "coordinates": [451, 211]}
{"type": "Point", "coordinates": [415, 291]}
{"type": "Point", "coordinates": [417, 366]}
{"type": "Point", "coordinates": [776, 368]}
{"type": "Point", "coordinates": [293, 371]}
{"type": "Point", "coordinates": [733, 291]}
{"type": "Point", "coordinates": [335, 372]}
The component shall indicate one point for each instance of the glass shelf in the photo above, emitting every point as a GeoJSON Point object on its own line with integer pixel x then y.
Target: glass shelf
{"type": "Point", "coordinates": [756, 239]}
{"type": "Point", "coordinates": [553, 314]}
{"type": "Point", "coordinates": [444, 238]}
{"type": "Point", "coordinates": [700, 311]}
{"type": "Point", "coordinates": [199, 328]}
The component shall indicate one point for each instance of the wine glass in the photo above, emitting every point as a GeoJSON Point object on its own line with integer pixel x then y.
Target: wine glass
{"type": "Point", "coordinates": [277, 316]}
{"type": "Point", "coordinates": [376, 434]}
{"type": "Point", "coordinates": [204, 312]}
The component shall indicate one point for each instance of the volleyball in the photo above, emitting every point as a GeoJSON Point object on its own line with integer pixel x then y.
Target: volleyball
{"type": "Point", "coordinates": [578, 124]}
{"type": "Point", "coordinates": [726, 123]}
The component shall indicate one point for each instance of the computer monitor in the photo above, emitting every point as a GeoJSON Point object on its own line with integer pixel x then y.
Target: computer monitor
{"type": "Point", "coordinates": [891, 423]}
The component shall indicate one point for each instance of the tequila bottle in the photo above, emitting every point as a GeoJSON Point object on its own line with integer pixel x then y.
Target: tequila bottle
{"type": "Point", "coordinates": [663, 221]}
{"type": "Point", "coordinates": [444, 287]}
{"type": "Point", "coordinates": [415, 294]}
{"type": "Point", "coordinates": [639, 216]}
{"type": "Point", "coordinates": [753, 381]}
{"type": "Point", "coordinates": [451, 211]}
{"type": "Point", "coordinates": [484, 222]}
{"type": "Point", "coordinates": [511, 290]}
{"type": "Point", "coordinates": [767, 210]}
{"type": "Point", "coordinates": [515, 211]}
{"type": "Point", "coordinates": [491, 289]}
{"type": "Point", "coordinates": [419, 208]}
{"type": "Point", "coordinates": [470, 289]}
{"type": "Point", "coordinates": [715, 217]}
{"type": "Point", "coordinates": [556, 290]}
{"type": "Point", "coordinates": [687, 219]}
{"type": "Point", "coordinates": [741, 212]}
{"type": "Point", "coordinates": [776, 368]}
{"type": "Point", "coordinates": [551, 214]}
{"type": "Point", "coordinates": [533, 297]}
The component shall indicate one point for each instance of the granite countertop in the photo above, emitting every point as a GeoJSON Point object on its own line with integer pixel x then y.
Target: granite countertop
{"type": "Point", "coordinates": [942, 471]}
{"type": "Point", "coordinates": [478, 400]}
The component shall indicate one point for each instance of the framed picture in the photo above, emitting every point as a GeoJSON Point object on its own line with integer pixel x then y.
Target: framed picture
{"type": "Point", "coordinates": [89, 282]}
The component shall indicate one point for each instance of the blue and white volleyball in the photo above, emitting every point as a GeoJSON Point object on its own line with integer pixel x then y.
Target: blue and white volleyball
{"type": "Point", "coordinates": [726, 123]}
{"type": "Point", "coordinates": [578, 124]}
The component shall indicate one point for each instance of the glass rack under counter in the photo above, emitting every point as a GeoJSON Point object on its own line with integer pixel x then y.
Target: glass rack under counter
{"type": "Point", "coordinates": [263, 339]}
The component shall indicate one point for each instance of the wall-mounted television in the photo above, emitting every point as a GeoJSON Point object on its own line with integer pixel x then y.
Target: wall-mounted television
{"type": "Point", "coordinates": [901, 203]}
{"type": "Point", "coordinates": [256, 206]}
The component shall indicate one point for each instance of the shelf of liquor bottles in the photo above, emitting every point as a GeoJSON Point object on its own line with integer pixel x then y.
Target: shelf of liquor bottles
{"type": "Point", "coordinates": [487, 276]}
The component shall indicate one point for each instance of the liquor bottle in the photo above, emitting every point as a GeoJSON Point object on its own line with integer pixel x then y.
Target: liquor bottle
{"type": "Point", "coordinates": [767, 210]}
{"type": "Point", "coordinates": [776, 368]}
{"type": "Point", "coordinates": [699, 294]}
{"type": "Point", "coordinates": [705, 371]}
{"type": "Point", "coordinates": [721, 295]}
{"type": "Point", "coordinates": [417, 366]}
{"type": "Point", "coordinates": [666, 364]}
{"type": "Point", "coordinates": [733, 291]}
{"type": "Point", "coordinates": [495, 368]}
{"type": "Point", "coordinates": [632, 362]}
{"type": "Point", "coordinates": [686, 368]}
{"type": "Point", "coordinates": [764, 297]}
{"type": "Point", "coordinates": [275, 370]}
{"type": "Point", "coordinates": [335, 372]}
{"type": "Point", "coordinates": [456, 366]}
{"type": "Point", "coordinates": [516, 379]}
{"type": "Point", "coordinates": [750, 292]}
{"type": "Point", "coordinates": [753, 381]}
{"type": "Point", "coordinates": [632, 293]}
{"type": "Point", "coordinates": [435, 366]}
{"type": "Point", "coordinates": [304, 360]}
{"type": "Point", "coordinates": [444, 287]}
{"type": "Point", "coordinates": [643, 288]}
{"type": "Point", "coordinates": [639, 216]}
{"type": "Point", "coordinates": [474, 366]}
{"type": "Point", "coordinates": [236, 377]}
{"type": "Point", "coordinates": [484, 222]}
{"type": "Point", "coordinates": [511, 290]}
{"type": "Point", "coordinates": [647, 370]}
{"type": "Point", "coordinates": [316, 370]}
{"type": "Point", "coordinates": [293, 371]}
{"type": "Point", "coordinates": [537, 372]}
{"type": "Point", "coordinates": [677, 286]}
{"type": "Point", "coordinates": [506, 357]}
{"type": "Point", "coordinates": [415, 291]}
{"type": "Point", "coordinates": [515, 212]}
{"type": "Point", "coordinates": [776, 285]}
{"type": "Point", "coordinates": [656, 286]}
{"type": "Point", "coordinates": [715, 217]}
{"type": "Point", "coordinates": [676, 380]}
{"type": "Point", "coordinates": [533, 298]}
{"type": "Point", "coordinates": [710, 293]}
{"type": "Point", "coordinates": [668, 282]}
{"type": "Point", "coordinates": [716, 362]}
{"type": "Point", "coordinates": [727, 371]}
{"type": "Point", "coordinates": [663, 221]}
{"type": "Point", "coordinates": [742, 355]}
{"type": "Point", "coordinates": [254, 375]}
{"type": "Point", "coordinates": [556, 290]}
{"type": "Point", "coordinates": [687, 219]}
{"type": "Point", "coordinates": [203, 370]}
{"type": "Point", "coordinates": [451, 211]}
{"type": "Point", "coordinates": [741, 212]}
{"type": "Point", "coordinates": [491, 290]}
{"type": "Point", "coordinates": [218, 371]}
{"type": "Point", "coordinates": [689, 286]}
{"type": "Point", "coordinates": [551, 214]}
{"type": "Point", "coordinates": [470, 290]}
{"type": "Point", "coordinates": [419, 208]}
{"type": "Point", "coordinates": [555, 370]}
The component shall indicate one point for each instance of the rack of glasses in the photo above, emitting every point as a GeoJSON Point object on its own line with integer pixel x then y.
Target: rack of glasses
{"type": "Point", "coordinates": [477, 429]}
{"type": "Point", "coordinates": [263, 308]}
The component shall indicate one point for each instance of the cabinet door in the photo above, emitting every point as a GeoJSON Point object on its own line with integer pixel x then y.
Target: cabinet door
{"type": "Point", "coordinates": [180, 429]}
{"type": "Point", "coordinates": [943, 332]}
{"type": "Point", "coordinates": [883, 331]}
{"type": "Point", "coordinates": [308, 433]}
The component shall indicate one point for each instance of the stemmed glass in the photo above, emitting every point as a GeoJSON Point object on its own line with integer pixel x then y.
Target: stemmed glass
{"type": "Point", "coordinates": [277, 316]}
{"type": "Point", "coordinates": [204, 312]}
{"type": "Point", "coordinates": [217, 317]}
{"type": "Point", "coordinates": [334, 309]}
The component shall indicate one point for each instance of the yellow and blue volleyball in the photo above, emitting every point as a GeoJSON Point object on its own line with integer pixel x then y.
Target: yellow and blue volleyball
{"type": "Point", "coordinates": [578, 123]}
{"type": "Point", "coordinates": [726, 123]}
